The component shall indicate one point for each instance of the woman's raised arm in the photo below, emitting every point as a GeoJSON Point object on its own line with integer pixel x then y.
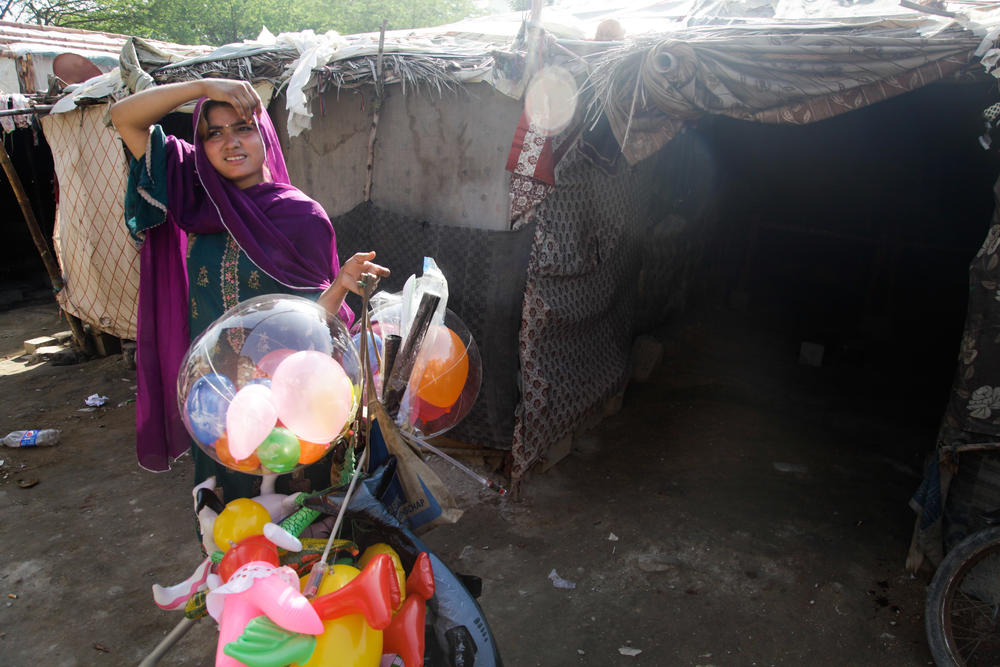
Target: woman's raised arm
{"type": "Point", "coordinates": [133, 115]}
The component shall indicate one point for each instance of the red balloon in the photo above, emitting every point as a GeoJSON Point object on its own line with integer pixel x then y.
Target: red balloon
{"type": "Point", "coordinates": [247, 550]}
{"type": "Point", "coordinates": [422, 412]}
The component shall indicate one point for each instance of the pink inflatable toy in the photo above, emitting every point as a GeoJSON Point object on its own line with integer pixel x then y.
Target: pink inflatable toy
{"type": "Point", "coordinates": [259, 588]}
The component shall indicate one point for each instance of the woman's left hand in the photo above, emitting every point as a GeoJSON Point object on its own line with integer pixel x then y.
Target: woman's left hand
{"type": "Point", "coordinates": [347, 280]}
{"type": "Point", "coordinates": [350, 272]}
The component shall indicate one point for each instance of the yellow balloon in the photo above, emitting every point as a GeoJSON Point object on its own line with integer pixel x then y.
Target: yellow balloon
{"type": "Point", "coordinates": [383, 548]}
{"type": "Point", "coordinates": [347, 641]}
{"type": "Point", "coordinates": [240, 519]}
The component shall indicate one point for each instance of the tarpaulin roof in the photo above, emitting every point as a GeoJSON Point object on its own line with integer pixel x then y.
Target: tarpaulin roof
{"type": "Point", "coordinates": [778, 72]}
{"type": "Point", "coordinates": [781, 61]}
{"type": "Point", "coordinates": [19, 38]}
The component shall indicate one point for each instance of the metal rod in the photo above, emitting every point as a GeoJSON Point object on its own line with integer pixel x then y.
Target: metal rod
{"type": "Point", "coordinates": [167, 642]}
{"type": "Point", "coordinates": [488, 483]}
{"type": "Point", "coordinates": [41, 108]}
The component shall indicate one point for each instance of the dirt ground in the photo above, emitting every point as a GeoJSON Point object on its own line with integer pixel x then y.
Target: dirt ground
{"type": "Point", "coordinates": [740, 509]}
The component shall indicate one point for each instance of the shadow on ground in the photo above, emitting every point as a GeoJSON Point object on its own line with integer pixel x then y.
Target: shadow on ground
{"type": "Point", "coordinates": [740, 509]}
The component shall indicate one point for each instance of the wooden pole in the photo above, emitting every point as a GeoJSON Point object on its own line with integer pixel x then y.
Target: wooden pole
{"type": "Point", "coordinates": [379, 92]}
{"type": "Point", "coordinates": [79, 336]}
{"type": "Point", "coordinates": [533, 37]}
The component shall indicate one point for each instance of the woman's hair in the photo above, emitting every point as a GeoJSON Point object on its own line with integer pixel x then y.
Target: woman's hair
{"type": "Point", "coordinates": [203, 120]}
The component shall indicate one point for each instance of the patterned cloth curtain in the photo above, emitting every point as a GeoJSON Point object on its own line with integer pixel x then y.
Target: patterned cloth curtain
{"type": "Point", "coordinates": [768, 74]}
{"type": "Point", "coordinates": [576, 320]}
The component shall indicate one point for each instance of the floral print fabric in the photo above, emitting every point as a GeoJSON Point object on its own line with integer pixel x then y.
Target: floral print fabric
{"type": "Point", "coordinates": [958, 486]}
{"type": "Point", "coordinates": [975, 396]}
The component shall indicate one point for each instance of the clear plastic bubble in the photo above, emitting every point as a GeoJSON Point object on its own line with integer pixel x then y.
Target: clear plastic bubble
{"type": "Point", "coordinates": [270, 385]}
{"type": "Point", "coordinates": [446, 373]}
{"type": "Point", "coordinates": [551, 99]}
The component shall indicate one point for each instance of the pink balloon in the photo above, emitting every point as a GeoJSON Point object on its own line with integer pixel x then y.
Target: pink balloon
{"type": "Point", "coordinates": [250, 417]}
{"type": "Point", "coordinates": [270, 361]}
{"type": "Point", "coordinates": [313, 395]}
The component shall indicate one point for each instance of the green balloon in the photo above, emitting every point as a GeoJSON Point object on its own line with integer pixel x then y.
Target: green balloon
{"type": "Point", "coordinates": [280, 450]}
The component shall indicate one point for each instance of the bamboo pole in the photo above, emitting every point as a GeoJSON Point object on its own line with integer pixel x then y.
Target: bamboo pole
{"type": "Point", "coordinates": [79, 336]}
{"type": "Point", "coordinates": [379, 92]}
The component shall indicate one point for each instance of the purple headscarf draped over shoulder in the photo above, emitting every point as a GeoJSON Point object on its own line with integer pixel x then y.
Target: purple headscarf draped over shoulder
{"type": "Point", "coordinates": [284, 232]}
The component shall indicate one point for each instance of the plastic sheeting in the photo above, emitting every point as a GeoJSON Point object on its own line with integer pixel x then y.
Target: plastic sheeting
{"type": "Point", "coordinates": [99, 262]}
{"type": "Point", "coordinates": [767, 73]}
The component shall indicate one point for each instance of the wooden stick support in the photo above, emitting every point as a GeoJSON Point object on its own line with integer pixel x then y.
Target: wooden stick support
{"type": "Point", "coordinates": [390, 350]}
{"type": "Point", "coordinates": [51, 266]}
{"type": "Point", "coordinates": [379, 98]}
{"type": "Point", "coordinates": [396, 385]}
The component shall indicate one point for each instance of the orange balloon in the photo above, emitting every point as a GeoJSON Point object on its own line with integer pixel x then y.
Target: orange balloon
{"type": "Point", "coordinates": [445, 367]}
{"type": "Point", "coordinates": [249, 464]}
{"type": "Point", "coordinates": [310, 452]}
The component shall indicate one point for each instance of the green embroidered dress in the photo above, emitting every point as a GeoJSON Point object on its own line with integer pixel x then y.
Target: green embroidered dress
{"type": "Point", "coordinates": [220, 276]}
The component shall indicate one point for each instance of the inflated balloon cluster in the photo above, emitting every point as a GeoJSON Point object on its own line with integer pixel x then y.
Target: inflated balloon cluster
{"type": "Point", "coordinates": [269, 386]}
{"type": "Point", "coordinates": [429, 369]}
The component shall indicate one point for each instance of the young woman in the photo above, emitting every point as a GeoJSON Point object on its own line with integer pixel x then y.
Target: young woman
{"type": "Point", "coordinates": [219, 223]}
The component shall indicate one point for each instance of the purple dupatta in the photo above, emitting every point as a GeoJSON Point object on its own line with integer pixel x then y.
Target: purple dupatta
{"type": "Point", "coordinates": [271, 222]}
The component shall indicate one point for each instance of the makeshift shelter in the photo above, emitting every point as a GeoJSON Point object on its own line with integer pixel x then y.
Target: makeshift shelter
{"type": "Point", "coordinates": [77, 161]}
{"type": "Point", "coordinates": [99, 265]}
{"type": "Point", "coordinates": [30, 54]}
{"type": "Point", "coordinates": [563, 237]}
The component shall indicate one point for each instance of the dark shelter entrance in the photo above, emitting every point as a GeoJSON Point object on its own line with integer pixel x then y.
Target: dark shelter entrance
{"type": "Point", "coordinates": [748, 504]}
{"type": "Point", "coordinates": [22, 274]}
{"type": "Point", "coordinates": [848, 241]}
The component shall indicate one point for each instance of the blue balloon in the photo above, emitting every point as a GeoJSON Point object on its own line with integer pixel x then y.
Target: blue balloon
{"type": "Point", "coordinates": [348, 361]}
{"type": "Point", "coordinates": [206, 407]}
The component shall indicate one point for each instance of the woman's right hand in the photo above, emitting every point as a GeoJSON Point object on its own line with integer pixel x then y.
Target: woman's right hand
{"type": "Point", "coordinates": [238, 94]}
{"type": "Point", "coordinates": [134, 114]}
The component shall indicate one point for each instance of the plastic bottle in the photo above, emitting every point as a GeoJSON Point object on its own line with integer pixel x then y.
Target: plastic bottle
{"type": "Point", "coordinates": [46, 437]}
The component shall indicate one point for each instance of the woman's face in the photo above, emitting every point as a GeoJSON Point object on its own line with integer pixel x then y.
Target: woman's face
{"type": "Point", "coordinates": [234, 146]}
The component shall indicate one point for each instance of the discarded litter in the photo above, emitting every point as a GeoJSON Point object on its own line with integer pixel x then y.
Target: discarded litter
{"type": "Point", "coordinates": [46, 437]}
{"type": "Point", "coordinates": [96, 400]}
{"type": "Point", "coordinates": [628, 650]}
{"type": "Point", "coordinates": [559, 582]}
{"type": "Point", "coordinates": [612, 538]}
